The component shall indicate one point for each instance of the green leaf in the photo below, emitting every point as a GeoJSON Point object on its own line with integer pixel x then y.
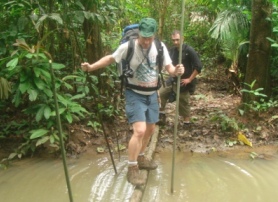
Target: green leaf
{"type": "Point", "coordinates": [40, 113]}
{"type": "Point", "coordinates": [33, 94]}
{"type": "Point", "coordinates": [52, 139]}
{"type": "Point", "coordinates": [39, 83]}
{"type": "Point", "coordinates": [40, 21]}
{"type": "Point", "coordinates": [38, 133]}
{"type": "Point", "coordinates": [12, 64]}
{"type": "Point", "coordinates": [241, 112]}
{"type": "Point", "coordinates": [42, 140]}
{"type": "Point", "coordinates": [58, 66]}
{"type": "Point", "coordinates": [48, 92]}
{"type": "Point", "coordinates": [68, 86]}
{"type": "Point", "coordinates": [17, 98]}
{"type": "Point", "coordinates": [47, 112]}
{"type": "Point", "coordinates": [69, 117]}
{"type": "Point", "coordinates": [29, 55]}
{"type": "Point", "coordinates": [78, 96]}
{"type": "Point", "coordinates": [79, 16]}
{"type": "Point", "coordinates": [46, 74]}
{"type": "Point", "coordinates": [56, 17]}
{"type": "Point", "coordinates": [23, 87]}
{"type": "Point", "coordinates": [62, 110]}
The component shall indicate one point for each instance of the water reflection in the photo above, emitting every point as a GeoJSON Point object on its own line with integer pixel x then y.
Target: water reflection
{"type": "Point", "coordinates": [205, 178]}
{"type": "Point", "coordinates": [197, 178]}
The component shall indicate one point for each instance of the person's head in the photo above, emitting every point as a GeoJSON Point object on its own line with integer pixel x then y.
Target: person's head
{"type": "Point", "coordinates": [176, 38]}
{"type": "Point", "coordinates": [147, 30]}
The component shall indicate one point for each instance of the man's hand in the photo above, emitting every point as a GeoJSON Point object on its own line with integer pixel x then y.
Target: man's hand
{"type": "Point", "coordinates": [85, 66]}
{"type": "Point", "coordinates": [184, 82]}
{"type": "Point", "coordinates": [179, 70]}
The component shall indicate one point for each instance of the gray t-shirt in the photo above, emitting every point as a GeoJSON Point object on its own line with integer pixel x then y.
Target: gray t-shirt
{"type": "Point", "coordinates": [145, 74]}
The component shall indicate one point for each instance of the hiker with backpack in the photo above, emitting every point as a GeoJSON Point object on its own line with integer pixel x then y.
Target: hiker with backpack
{"type": "Point", "coordinates": [141, 92]}
{"type": "Point", "coordinates": [193, 66]}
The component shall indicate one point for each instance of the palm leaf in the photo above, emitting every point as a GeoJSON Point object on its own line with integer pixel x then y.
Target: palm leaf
{"type": "Point", "coordinates": [229, 22]}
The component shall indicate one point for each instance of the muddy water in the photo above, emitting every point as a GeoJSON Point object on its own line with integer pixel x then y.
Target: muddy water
{"type": "Point", "coordinates": [197, 178]}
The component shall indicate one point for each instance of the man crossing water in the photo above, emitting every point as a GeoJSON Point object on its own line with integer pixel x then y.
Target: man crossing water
{"type": "Point", "coordinates": [142, 107]}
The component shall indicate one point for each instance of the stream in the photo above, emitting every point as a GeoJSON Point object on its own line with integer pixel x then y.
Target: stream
{"type": "Point", "coordinates": [197, 178]}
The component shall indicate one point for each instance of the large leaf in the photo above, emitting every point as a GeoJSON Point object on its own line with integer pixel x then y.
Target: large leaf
{"type": "Point", "coordinates": [38, 133]}
{"type": "Point", "coordinates": [12, 64]}
{"type": "Point", "coordinates": [228, 21]}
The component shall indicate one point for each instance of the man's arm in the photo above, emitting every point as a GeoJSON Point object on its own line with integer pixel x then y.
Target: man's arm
{"type": "Point", "coordinates": [175, 71]}
{"type": "Point", "coordinates": [186, 81]}
{"type": "Point", "coordinates": [101, 63]}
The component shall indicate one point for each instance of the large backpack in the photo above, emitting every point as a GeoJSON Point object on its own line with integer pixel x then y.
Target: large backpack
{"type": "Point", "coordinates": [129, 34]}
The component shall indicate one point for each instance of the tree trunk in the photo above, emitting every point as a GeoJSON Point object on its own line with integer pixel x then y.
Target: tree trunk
{"type": "Point", "coordinates": [160, 12]}
{"type": "Point", "coordinates": [258, 64]}
{"type": "Point", "coordinates": [92, 34]}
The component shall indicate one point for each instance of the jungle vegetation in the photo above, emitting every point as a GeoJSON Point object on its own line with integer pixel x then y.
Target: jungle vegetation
{"type": "Point", "coordinates": [241, 35]}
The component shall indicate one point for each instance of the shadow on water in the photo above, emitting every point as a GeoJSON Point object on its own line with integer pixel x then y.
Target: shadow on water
{"type": "Point", "coordinates": [197, 178]}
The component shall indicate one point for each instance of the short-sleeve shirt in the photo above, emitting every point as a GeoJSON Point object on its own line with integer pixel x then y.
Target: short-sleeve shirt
{"type": "Point", "coordinates": [143, 64]}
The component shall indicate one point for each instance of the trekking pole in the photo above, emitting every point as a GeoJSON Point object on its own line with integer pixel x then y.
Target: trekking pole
{"type": "Point", "coordinates": [88, 79]}
{"type": "Point", "coordinates": [177, 99]}
{"type": "Point", "coordinates": [60, 132]}
{"type": "Point", "coordinates": [107, 142]}
{"type": "Point", "coordinates": [118, 146]}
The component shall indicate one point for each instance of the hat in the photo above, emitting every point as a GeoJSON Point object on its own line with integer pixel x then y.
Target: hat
{"type": "Point", "coordinates": [147, 27]}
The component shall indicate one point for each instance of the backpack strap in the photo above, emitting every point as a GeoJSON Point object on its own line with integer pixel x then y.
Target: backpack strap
{"type": "Point", "coordinates": [130, 52]}
{"type": "Point", "coordinates": [126, 63]}
{"type": "Point", "coordinates": [159, 59]}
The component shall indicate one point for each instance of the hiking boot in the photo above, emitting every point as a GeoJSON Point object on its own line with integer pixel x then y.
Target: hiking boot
{"type": "Point", "coordinates": [145, 163]}
{"type": "Point", "coordinates": [133, 176]}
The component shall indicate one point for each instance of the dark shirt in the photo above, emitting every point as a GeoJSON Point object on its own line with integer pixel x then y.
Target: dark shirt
{"type": "Point", "coordinates": [190, 61]}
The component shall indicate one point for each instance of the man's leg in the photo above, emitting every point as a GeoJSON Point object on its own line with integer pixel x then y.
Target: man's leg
{"type": "Point", "coordinates": [184, 106]}
{"type": "Point", "coordinates": [143, 162]}
{"type": "Point", "coordinates": [163, 96]}
{"type": "Point", "coordinates": [146, 139]}
{"type": "Point", "coordinates": [136, 141]}
{"type": "Point", "coordinates": [134, 148]}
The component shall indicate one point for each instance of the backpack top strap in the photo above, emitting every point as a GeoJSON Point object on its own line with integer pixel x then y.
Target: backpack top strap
{"type": "Point", "coordinates": [159, 58]}
{"type": "Point", "coordinates": [130, 51]}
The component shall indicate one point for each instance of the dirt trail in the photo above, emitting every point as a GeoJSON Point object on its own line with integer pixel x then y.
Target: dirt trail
{"type": "Point", "coordinates": [216, 122]}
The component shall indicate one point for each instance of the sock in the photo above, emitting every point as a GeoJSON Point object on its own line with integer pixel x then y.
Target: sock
{"type": "Point", "coordinates": [141, 154]}
{"type": "Point", "coordinates": [132, 163]}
